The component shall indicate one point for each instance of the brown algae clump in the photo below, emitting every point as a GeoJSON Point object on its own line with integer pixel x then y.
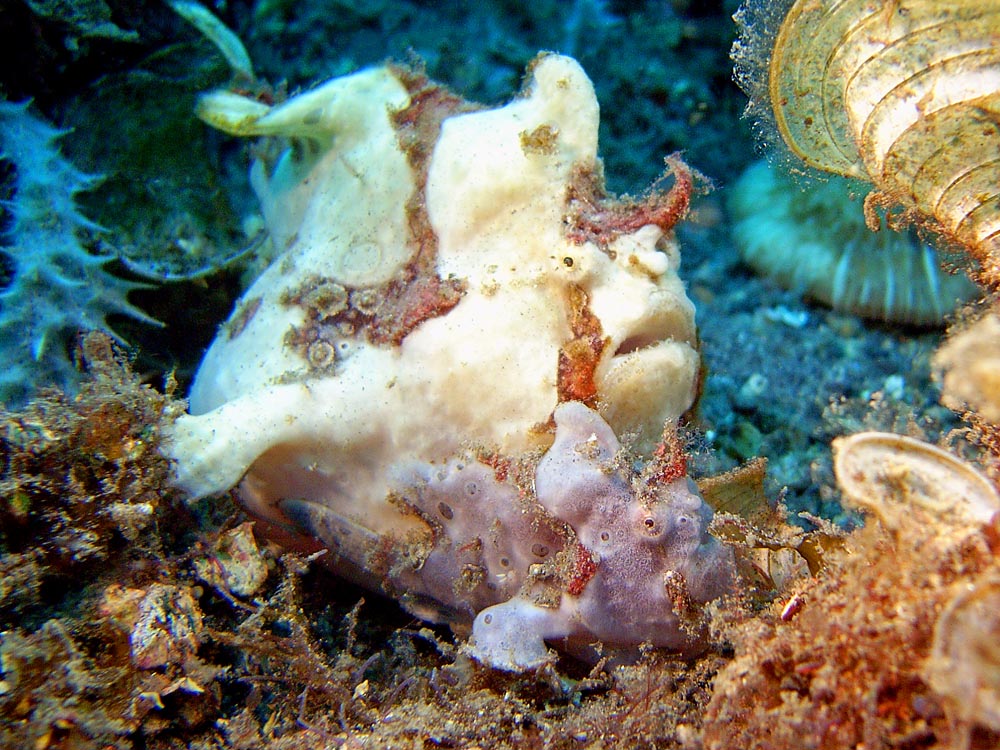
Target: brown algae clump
{"type": "Point", "coordinates": [886, 648]}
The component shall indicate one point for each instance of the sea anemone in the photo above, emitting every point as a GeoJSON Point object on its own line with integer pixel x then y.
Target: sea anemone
{"type": "Point", "coordinates": [811, 237]}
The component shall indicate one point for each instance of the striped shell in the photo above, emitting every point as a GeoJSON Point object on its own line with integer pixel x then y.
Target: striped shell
{"type": "Point", "coordinates": [905, 94]}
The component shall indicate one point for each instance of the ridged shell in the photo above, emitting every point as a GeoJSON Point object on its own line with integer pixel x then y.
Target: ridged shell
{"type": "Point", "coordinates": [905, 94]}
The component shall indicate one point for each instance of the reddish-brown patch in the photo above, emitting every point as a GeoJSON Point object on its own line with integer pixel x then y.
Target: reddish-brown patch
{"type": "Point", "coordinates": [579, 357]}
{"type": "Point", "coordinates": [388, 313]}
{"type": "Point", "coordinates": [418, 293]}
{"type": "Point", "coordinates": [380, 559]}
{"type": "Point", "coordinates": [584, 568]}
{"type": "Point", "coordinates": [675, 586]}
{"type": "Point", "coordinates": [500, 464]}
{"type": "Point", "coordinates": [595, 217]}
{"type": "Point", "coordinates": [260, 91]}
{"type": "Point", "coordinates": [410, 302]}
{"type": "Point", "coordinates": [475, 546]}
{"type": "Point", "coordinates": [669, 460]}
{"type": "Point", "coordinates": [244, 314]}
{"type": "Point", "coordinates": [419, 123]}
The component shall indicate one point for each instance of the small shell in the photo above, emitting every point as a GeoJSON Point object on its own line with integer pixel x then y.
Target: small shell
{"type": "Point", "coordinates": [970, 365]}
{"type": "Point", "coordinates": [904, 94]}
{"type": "Point", "coordinates": [964, 664]}
{"type": "Point", "coordinates": [892, 475]}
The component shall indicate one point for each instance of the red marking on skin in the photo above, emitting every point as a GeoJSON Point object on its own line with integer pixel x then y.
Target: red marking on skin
{"type": "Point", "coordinates": [409, 303]}
{"type": "Point", "coordinates": [381, 558]}
{"type": "Point", "coordinates": [501, 465]}
{"type": "Point", "coordinates": [584, 569]}
{"type": "Point", "coordinates": [261, 92]}
{"type": "Point", "coordinates": [598, 219]}
{"type": "Point", "coordinates": [669, 459]}
{"type": "Point", "coordinates": [472, 546]}
{"type": "Point", "coordinates": [578, 358]}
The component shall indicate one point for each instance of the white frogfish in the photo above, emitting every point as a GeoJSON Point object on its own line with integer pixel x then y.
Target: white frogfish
{"type": "Point", "coordinates": [456, 293]}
